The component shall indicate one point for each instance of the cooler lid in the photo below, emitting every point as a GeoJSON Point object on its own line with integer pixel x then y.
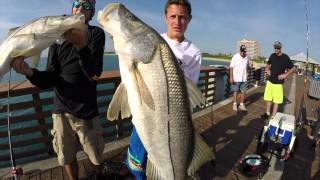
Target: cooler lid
{"type": "Point", "coordinates": [288, 121]}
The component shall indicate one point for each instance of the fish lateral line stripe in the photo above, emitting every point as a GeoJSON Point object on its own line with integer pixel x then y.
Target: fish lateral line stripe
{"type": "Point", "coordinates": [162, 49]}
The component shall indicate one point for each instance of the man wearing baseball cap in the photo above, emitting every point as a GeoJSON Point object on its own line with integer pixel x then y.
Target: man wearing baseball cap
{"type": "Point", "coordinates": [73, 69]}
{"type": "Point", "coordinates": [238, 77]}
{"type": "Point", "coordinates": [279, 68]}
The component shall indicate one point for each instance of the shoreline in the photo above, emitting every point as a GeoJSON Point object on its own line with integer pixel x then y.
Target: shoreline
{"type": "Point", "coordinates": [216, 59]}
{"type": "Point", "coordinates": [204, 57]}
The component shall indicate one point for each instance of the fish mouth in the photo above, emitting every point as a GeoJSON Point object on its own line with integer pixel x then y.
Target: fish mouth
{"type": "Point", "coordinates": [109, 12]}
{"type": "Point", "coordinates": [111, 7]}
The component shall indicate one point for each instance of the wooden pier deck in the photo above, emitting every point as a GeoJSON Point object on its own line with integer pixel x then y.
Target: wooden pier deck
{"type": "Point", "coordinates": [232, 135]}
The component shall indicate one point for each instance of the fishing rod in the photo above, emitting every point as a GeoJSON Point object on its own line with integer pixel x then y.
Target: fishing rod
{"type": "Point", "coordinates": [16, 172]}
{"type": "Point", "coordinates": [307, 39]}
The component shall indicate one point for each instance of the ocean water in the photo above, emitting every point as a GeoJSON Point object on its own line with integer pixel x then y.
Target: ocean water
{"type": "Point", "coordinates": [110, 63]}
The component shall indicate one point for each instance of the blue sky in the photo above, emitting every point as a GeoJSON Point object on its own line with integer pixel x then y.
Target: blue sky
{"type": "Point", "coordinates": [216, 25]}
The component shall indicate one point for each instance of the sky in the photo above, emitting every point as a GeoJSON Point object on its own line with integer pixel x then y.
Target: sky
{"type": "Point", "coordinates": [215, 27]}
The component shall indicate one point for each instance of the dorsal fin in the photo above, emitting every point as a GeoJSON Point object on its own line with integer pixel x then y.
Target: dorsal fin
{"type": "Point", "coordinates": [12, 30]}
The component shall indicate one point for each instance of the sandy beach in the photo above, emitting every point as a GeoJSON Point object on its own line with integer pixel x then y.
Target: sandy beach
{"type": "Point", "coordinates": [216, 59]}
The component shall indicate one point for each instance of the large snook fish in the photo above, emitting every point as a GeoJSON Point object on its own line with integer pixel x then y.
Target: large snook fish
{"type": "Point", "coordinates": [31, 38]}
{"type": "Point", "coordinates": [154, 91]}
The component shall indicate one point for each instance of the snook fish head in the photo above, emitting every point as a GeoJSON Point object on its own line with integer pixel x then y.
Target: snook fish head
{"type": "Point", "coordinates": [132, 37]}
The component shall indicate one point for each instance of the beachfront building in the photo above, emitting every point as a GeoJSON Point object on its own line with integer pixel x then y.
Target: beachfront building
{"type": "Point", "coordinates": [253, 47]}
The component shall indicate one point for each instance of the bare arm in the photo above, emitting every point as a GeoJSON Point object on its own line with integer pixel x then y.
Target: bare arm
{"type": "Point", "coordinates": [285, 75]}
{"type": "Point", "coordinates": [268, 69]}
{"type": "Point", "coordinates": [231, 80]}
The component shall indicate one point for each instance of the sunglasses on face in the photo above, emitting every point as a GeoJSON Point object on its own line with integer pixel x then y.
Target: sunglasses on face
{"type": "Point", "coordinates": [277, 48]}
{"type": "Point", "coordinates": [85, 5]}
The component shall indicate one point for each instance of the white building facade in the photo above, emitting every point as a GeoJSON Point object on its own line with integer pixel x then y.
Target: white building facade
{"type": "Point", "coordinates": [253, 47]}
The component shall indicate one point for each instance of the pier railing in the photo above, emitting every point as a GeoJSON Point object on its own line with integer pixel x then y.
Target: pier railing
{"type": "Point", "coordinates": [30, 113]}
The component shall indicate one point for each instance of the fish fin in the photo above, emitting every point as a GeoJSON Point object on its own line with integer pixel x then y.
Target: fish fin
{"type": "Point", "coordinates": [196, 98]}
{"type": "Point", "coordinates": [202, 153]}
{"type": "Point", "coordinates": [119, 104]}
{"type": "Point", "coordinates": [153, 172]}
{"type": "Point", "coordinates": [35, 60]}
{"type": "Point", "coordinates": [22, 52]}
{"type": "Point", "coordinates": [144, 91]}
{"type": "Point", "coordinates": [12, 30]}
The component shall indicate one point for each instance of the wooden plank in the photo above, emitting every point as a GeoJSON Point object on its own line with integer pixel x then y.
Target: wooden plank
{"type": "Point", "coordinates": [35, 177]}
{"type": "Point", "coordinates": [88, 167]}
{"type": "Point", "coordinates": [27, 104]}
{"type": "Point", "coordinates": [57, 173]}
{"type": "Point", "coordinates": [27, 130]}
{"type": "Point", "coordinates": [41, 121]}
{"type": "Point", "coordinates": [25, 154]}
{"type": "Point", "coordinates": [46, 175]}
{"type": "Point", "coordinates": [23, 143]}
{"type": "Point", "coordinates": [82, 170]}
{"type": "Point", "coordinates": [106, 92]}
{"type": "Point", "coordinates": [25, 118]}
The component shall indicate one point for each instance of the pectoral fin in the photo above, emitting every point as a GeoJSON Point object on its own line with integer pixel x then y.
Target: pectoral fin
{"type": "Point", "coordinates": [35, 60]}
{"type": "Point", "coordinates": [119, 104]}
{"type": "Point", "coordinates": [144, 91]}
{"type": "Point", "coordinates": [195, 96]}
{"type": "Point", "coordinates": [201, 154]}
{"type": "Point", "coordinates": [12, 30]}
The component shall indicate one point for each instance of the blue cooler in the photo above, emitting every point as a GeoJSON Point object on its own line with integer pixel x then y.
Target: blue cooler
{"type": "Point", "coordinates": [281, 128]}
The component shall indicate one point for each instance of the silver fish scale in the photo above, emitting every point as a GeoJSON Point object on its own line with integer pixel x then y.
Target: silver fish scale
{"type": "Point", "coordinates": [176, 83]}
{"type": "Point", "coordinates": [180, 129]}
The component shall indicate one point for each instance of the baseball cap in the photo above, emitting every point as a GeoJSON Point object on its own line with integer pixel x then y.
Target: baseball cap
{"type": "Point", "coordinates": [243, 48]}
{"type": "Point", "coordinates": [277, 44]}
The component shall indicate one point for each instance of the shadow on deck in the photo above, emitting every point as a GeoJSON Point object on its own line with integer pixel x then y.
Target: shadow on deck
{"type": "Point", "coordinates": [233, 135]}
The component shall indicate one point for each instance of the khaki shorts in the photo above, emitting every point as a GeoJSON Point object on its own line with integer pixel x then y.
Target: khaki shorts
{"type": "Point", "coordinates": [69, 132]}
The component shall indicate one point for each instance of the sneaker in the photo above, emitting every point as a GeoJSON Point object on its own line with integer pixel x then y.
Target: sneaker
{"type": "Point", "coordinates": [256, 85]}
{"type": "Point", "coordinates": [235, 107]}
{"type": "Point", "coordinates": [242, 107]}
{"type": "Point", "coordinates": [265, 116]}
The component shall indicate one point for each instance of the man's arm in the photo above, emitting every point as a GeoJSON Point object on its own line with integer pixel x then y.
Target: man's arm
{"type": "Point", "coordinates": [91, 56]}
{"type": "Point", "coordinates": [287, 74]}
{"type": "Point", "coordinates": [231, 80]}
{"type": "Point", "coordinates": [41, 79]}
{"type": "Point", "coordinates": [231, 75]}
{"type": "Point", "coordinates": [290, 70]}
{"type": "Point", "coordinates": [90, 52]}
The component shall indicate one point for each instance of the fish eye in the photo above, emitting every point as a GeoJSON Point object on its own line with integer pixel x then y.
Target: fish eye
{"type": "Point", "coordinates": [129, 16]}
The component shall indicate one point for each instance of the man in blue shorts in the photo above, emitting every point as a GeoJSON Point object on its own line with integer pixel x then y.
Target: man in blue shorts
{"type": "Point", "coordinates": [238, 77]}
{"type": "Point", "coordinates": [279, 68]}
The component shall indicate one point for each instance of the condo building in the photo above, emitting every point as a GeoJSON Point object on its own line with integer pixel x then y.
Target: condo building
{"type": "Point", "coordinates": [253, 47]}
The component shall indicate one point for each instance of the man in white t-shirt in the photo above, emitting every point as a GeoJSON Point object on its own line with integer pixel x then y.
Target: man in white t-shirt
{"type": "Point", "coordinates": [238, 77]}
{"type": "Point", "coordinates": [187, 54]}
